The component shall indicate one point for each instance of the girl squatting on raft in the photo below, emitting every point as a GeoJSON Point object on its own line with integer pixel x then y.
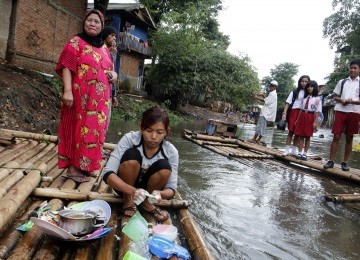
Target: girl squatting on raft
{"type": "Point", "coordinates": [291, 112]}
{"type": "Point", "coordinates": [86, 69]}
{"type": "Point", "coordinates": [143, 162]}
{"type": "Point", "coordinates": [307, 119]}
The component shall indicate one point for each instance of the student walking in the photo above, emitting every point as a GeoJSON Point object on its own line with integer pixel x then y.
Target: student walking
{"type": "Point", "coordinates": [307, 119]}
{"type": "Point", "coordinates": [291, 112]}
{"type": "Point", "coordinates": [347, 114]}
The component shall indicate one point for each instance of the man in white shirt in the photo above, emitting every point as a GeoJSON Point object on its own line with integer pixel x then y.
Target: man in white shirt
{"type": "Point", "coordinates": [268, 111]}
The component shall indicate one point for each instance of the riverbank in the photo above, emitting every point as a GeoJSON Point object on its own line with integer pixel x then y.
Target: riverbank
{"type": "Point", "coordinates": [29, 102]}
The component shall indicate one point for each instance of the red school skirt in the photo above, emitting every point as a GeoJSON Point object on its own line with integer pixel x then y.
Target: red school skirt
{"type": "Point", "coordinates": [293, 114]}
{"type": "Point", "coordinates": [305, 124]}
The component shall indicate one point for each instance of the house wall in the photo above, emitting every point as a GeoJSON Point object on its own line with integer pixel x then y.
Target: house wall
{"type": "Point", "coordinates": [40, 30]}
{"type": "Point", "coordinates": [129, 65]}
{"type": "Point", "coordinates": [5, 13]}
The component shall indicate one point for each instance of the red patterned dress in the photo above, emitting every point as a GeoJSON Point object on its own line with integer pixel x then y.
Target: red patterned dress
{"type": "Point", "coordinates": [83, 126]}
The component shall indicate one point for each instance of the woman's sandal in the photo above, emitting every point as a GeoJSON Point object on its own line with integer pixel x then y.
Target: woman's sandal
{"type": "Point", "coordinates": [132, 209]}
{"type": "Point", "coordinates": [76, 177]}
{"type": "Point", "coordinates": [157, 213]}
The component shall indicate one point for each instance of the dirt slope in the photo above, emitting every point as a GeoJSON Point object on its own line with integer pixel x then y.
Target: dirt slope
{"type": "Point", "coordinates": [29, 103]}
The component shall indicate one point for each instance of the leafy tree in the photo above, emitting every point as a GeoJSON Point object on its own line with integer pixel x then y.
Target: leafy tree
{"type": "Point", "coordinates": [284, 74]}
{"type": "Point", "coordinates": [188, 63]}
{"type": "Point", "coordinates": [343, 30]}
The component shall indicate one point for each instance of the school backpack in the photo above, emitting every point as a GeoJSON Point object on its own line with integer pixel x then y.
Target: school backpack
{"type": "Point", "coordinates": [342, 86]}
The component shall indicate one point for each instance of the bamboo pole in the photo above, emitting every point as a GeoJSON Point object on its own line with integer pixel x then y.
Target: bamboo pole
{"type": "Point", "coordinates": [109, 197]}
{"type": "Point", "coordinates": [53, 172]}
{"type": "Point", "coordinates": [257, 156]}
{"type": "Point", "coordinates": [107, 248]}
{"type": "Point", "coordinates": [10, 150]}
{"type": "Point", "coordinates": [27, 247]}
{"type": "Point", "coordinates": [343, 197]}
{"type": "Point", "coordinates": [17, 154]}
{"type": "Point", "coordinates": [11, 202]}
{"type": "Point", "coordinates": [193, 236]}
{"type": "Point", "coordinates": [27, 156]}
{"type": "Point", "coordinates": [75, 195]}
{"type": "Point", "coordinates": [11, 180]}
{"type": "Point", "coordinates": [211, 138]}
{"type": "Point", "coordinates": [124, 242]}
{"type": "Point", "coordinates": [42, 137]}
{"type": "Point", "coordinates": [11, 237]}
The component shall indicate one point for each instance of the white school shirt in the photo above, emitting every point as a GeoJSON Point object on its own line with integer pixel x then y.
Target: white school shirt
{"type": "Point", "coordinates": [314, 104]}
{"type": "Point", "coordinates": [298, 101]}
{"type": "Point", "coordinates": [132, 139]}
{"type": "Point", "coordinates": [269, 109]}
{"type": "Point", "coordinates": [350, 90]}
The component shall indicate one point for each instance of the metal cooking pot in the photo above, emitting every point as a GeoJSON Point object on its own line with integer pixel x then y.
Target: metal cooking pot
{"type": "Point", "coordinates": [79, 222]}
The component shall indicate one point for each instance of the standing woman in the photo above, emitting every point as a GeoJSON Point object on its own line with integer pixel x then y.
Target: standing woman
{"type": "Point", "coordinates": [291, 112]}
{"type": "Point", "coordinates": [308, 118]}
{"type": "Point", "coordinates": [86, 70]}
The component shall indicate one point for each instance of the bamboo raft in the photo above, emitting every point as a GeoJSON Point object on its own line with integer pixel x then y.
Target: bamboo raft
{"type": "Point", "coordinates": [29, 176]}
{"type": "Point", "coordinates": [242, 151]}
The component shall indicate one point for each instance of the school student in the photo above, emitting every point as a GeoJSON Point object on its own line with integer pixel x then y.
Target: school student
{"type": "Point", "coordinates": [347, 114]}
{"type": "Point", "coordinates": [307, 119]}
{"type": "Point", "coordinates": [291, 112]}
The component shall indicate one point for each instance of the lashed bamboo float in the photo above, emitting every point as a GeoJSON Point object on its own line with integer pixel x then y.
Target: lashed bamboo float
{"type": "Point", "coordinates": [10, 239]}
{"type": "Point", "coordinates": [33, 173]}
{"type": "Point", "coordinates": [246, 155]}
{"type": "Point", "coordinates": [42, 137]}
{"type": "Point", "coordinates": [107, 248]}
{"type": "Point", "coordinates": [343, 197]}
{"type": "Point", "coordinates": [17, 152]}
{"type": "Point", "coordinates": [11, 202]}
{"type": "Point", "coordinates": [192, 233]}
{"type": "Point", "coordinates": [352, 175]}
{"type": "Point", "coordinates": [28, 245]}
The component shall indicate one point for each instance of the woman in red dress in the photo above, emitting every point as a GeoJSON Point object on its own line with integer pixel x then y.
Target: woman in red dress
{"type": "Point", "coordinates": [86, 70]}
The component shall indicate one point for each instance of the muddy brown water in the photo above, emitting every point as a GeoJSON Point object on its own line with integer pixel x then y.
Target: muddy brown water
{"type": "Point", "coordinates": [257, 210]}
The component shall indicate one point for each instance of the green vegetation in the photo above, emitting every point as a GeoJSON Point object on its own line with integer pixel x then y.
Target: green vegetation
{"type": "Point", "coordinates": [56, 83]}
{"type": "Point", "coordinates": [132, 108]}
{"type": "Point", "coordinates": [125, 85]}
{"type": "Point", "coordinates": [284, 74]}
{"type": "Point", "coordinates": [343, 30]}
{"type": "Point", "coordinates": [190, 56]}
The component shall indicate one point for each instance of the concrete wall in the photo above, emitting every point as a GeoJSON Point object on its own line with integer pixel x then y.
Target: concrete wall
{"type": "Point", "coordinates": [5, 12]}
{"type": "Point", "coordinates": [40, 29]}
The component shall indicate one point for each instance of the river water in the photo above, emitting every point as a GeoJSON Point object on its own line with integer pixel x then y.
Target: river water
{"type": "Point", "coordinates": [259, 210]}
